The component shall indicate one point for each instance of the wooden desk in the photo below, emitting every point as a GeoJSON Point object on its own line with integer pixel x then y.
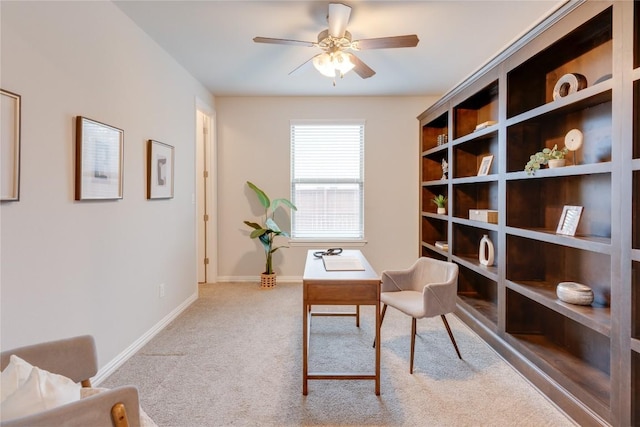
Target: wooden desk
{"type": "Point", "coordinates": [321, 287]}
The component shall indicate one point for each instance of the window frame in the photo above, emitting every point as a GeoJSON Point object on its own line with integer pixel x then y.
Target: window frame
{"type": "Point", "coordinates": [343, 241]}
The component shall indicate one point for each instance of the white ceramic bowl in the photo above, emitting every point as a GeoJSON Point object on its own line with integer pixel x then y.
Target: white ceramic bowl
{"type": "Point", "coordinates": [574, 293]}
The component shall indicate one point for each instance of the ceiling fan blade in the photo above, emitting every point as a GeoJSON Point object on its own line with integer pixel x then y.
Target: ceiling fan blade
{"type": "Point", "coordinates": [283, 41]}
{"type": "Point", "coordinates": [338, 19]}
{"type": "Point", "coordinates": [386, 42]}
{"type": "Point", "coordinates": [361, 69]}
{"type": "Point", "coordinates": [304, 65]}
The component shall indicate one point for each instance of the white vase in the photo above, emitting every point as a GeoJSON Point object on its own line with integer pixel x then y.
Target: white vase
{"type": "Point", "coordinates": [556, 163]}
{"type": "Point", "coordinates": [487, 251]}
{"type": "Point", "coordinates": [442, 211]}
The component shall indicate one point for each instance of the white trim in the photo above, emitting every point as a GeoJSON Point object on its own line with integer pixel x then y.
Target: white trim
{"type": "Point", "coordinates": [358, 122]}
{"type": "Point", "coordinates": [212, 193]}
{"type": "Point", "coordinates": [324, 243]}
{"type": "Point", "coordinates": [256, 279]}
{"type": "Point", "coordinates": [211, 143]}
{"type": "Point", "coordinates": [312, 166]}
{"type": "Point", "coordinates": [120, 359]}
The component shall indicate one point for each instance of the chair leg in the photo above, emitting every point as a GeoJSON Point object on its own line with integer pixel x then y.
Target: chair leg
{"type": "Point", "coordinates": [453, 340]}
{"type": "Point", "coordinates": [413, 343]}
{"type": "Point", "coordinates": [384, 310]}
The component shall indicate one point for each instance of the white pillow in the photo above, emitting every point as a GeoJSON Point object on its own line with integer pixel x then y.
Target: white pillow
{"type": "Point", "coordinates": [41, 391]}
{"type": "Point", "coordinates": [13, 376]}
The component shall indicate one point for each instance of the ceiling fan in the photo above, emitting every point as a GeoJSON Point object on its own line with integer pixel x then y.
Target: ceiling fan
{"type": "Point", "coordinates": [336, 42]}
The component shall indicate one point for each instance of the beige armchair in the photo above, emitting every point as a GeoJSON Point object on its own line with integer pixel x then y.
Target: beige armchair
{"type": "Point", "coordinates": [76, 358]}
{"type": "Point", "coordinates": [428, 288]}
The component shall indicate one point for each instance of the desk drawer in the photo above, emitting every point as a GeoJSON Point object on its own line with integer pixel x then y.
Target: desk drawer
{"type": "Point", "coordinates": [342, 293]}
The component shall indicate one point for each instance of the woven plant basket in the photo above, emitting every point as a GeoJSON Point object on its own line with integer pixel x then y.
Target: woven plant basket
{"type": "Point", "coordinates": [267, 281]}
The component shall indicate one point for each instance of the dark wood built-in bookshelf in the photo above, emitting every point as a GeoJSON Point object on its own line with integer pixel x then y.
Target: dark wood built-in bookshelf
{"type": "Point", "coordinates": [585, 358]}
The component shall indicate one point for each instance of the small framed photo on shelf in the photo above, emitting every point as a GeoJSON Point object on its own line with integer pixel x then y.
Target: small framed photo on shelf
{"type": "Point", "coordinates": [159, 170]}
{"type": "Point", "coordinates": [485, 165]}
{"type": "Point", "coordinates": [99, 160]}
{"type": "Point", "coordinates": [569, 220]}
{"type": "Point", "coordinates": [10, 145]}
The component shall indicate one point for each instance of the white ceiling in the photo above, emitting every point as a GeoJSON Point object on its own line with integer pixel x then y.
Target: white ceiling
{"type": "Point", "coordinates": [213, 41]}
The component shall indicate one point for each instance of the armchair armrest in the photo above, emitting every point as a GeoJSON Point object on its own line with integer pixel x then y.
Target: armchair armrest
{"type": "Point", "coordinates": [396, 280]}
{"type": "Point", "coordinates": [440, 296]}
{"type": "Point", "coordinates": [95, 411]}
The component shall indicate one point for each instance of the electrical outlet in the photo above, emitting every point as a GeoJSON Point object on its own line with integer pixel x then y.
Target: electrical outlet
{"type": "Point", "coordinates": [161, 290]}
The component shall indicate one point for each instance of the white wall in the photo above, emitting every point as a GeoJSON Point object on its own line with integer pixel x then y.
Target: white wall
{"type": "Point", "coordinates": [72, 267]}
{"type": "Point", "coordinates": [253, 144]}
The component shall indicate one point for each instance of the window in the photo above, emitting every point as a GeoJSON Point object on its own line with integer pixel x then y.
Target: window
{"type": "Point", "coordinates": [327, 179]}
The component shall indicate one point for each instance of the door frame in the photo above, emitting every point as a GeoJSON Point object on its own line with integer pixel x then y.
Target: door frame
{"type": "Point", "coordinates": [210, 160]}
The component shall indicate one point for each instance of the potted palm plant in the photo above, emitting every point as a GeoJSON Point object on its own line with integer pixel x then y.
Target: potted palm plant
{"type": "Point", "coordinates": [267, 232]}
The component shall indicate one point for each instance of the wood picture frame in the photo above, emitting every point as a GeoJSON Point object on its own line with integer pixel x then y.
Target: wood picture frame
{"type": "Point", "coordinates": [99, 160]}
{"type": "Point", "coordinates": [160, 170]}
{"type": "Point", "coordinates": [569, 219]}
{"type": "Point", "coordinates": [485, 165]}
{"type": "Point", "coordinates": [10, 136]}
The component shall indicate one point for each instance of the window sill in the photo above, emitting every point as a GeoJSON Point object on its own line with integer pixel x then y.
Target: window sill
{"type": "Point", "coordinates": [314, 243]}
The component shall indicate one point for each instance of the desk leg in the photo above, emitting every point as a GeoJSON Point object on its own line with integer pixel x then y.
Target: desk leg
{"type": "Point", "coordinates": [378, 324]}
{"type": "Point", "coordinates": [357, 316]}
{"type": "Point", "coordinates": [305, 343]}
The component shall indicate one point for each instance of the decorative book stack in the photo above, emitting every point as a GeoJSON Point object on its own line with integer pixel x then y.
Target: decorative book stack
{"type": "Point", "coordinates": [442, 244]}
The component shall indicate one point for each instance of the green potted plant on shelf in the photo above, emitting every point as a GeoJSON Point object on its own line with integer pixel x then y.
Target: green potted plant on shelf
{"type": "Point", "coordinates": [267, 232]}
{"type": "Point", "coordinates": [548, 156]}
{"type": "Point", "coordinates": [441, 203]}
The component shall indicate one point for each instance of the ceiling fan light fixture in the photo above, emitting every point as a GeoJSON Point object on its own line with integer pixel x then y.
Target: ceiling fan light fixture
{"type": "Point", "coordinates": [342, 63]}
{"type": "Point", "coordinates": [324, 64]}
{"type": "Point", "coordinates": [330, 63]}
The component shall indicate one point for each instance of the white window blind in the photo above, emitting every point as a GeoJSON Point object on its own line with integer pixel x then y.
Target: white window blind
{"type": "Point", "coordinates": [327, 180]}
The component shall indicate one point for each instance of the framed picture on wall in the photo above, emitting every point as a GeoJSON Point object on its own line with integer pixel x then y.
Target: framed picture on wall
{"type": "Point", "coordinates": [485, 165]}
{"type": "Point", "coordinates": [99, 160]}
{"type": "Point", "coordinates": [10, 145]}
{"type": "Point", "coordinates": [159, 170]}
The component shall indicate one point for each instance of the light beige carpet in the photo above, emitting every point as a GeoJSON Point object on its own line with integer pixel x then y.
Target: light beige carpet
{"type": "Point", "coordinates": [234, 358]}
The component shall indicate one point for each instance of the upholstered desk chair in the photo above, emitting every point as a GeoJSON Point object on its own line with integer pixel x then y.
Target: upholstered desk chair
{"type": "Point", "coordinates": [76, 358]}
{"type": "Point", "coordinates": [428, 288]}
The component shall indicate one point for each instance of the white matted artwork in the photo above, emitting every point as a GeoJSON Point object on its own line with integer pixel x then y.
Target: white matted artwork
{"type": "Point", "coordinates": [569, 220]}
{"type": "Point", "coordinates": [485, 165]}
{"type": "Point", "coordinates": [99, 160]}
{"type": "Point", "coordinates": [10, 146]}
{"type": "Point", "coordinates": [159, 170]}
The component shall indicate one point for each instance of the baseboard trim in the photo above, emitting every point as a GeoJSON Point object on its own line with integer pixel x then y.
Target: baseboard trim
{"type": "Point", "coordinates": [120, 359]}
{"type": "Point", "coordinates": [256, 279]}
